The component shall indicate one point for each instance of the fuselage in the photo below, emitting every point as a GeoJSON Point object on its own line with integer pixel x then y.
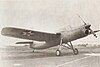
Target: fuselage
{"type": "Point", "coordinates": [67, 36]}
{"type": "Point", "coordinates": [74, 34]}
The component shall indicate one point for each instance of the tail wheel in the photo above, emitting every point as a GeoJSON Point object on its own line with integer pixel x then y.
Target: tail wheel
{"type": "Point", "coordinates": [58, 52]}
{"type": "Point", "coordinates": [33, 51]}
{"type": "Point", "coordinates": [75, 51]}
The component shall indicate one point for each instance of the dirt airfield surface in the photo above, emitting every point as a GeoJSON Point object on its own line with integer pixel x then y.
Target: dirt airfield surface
{"type": "Point", "coordinates": [22, 56]}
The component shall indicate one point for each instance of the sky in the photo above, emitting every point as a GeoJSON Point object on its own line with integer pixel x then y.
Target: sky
{"type": "Point", "coordinates": [49, 16]}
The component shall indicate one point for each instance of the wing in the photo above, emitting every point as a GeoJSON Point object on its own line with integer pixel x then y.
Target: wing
{"type": "Point", "coordinates": [29, 34]}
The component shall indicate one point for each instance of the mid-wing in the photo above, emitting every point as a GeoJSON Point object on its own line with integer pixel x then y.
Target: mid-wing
{"type": "Point", "coordinates": [29, 34]}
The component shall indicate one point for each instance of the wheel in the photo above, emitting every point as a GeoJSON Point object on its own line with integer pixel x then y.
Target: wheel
{"type": "Point", "coordinates": [33, 51]}
{"type": "Point", "coordinates": [75, 51]}
{"type": "Point", "coordinates": [58, 52]}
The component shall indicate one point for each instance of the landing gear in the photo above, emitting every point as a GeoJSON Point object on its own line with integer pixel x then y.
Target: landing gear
{"type": "Point", "coordinates": [70, 46]}
{"type": "Point", "coordinates": [75, 50]}
{"type": "Point", "coordinates": [33, 51]}
{"type": "Point", "coordinates": [58, 52]}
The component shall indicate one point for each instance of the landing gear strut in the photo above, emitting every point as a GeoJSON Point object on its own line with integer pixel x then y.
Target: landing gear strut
{"type": "Point", "coordinates": [70, 46]}
{"type": "Point", "coordinates": [58, 52]}
{"type": "Point", "coordinates": [75, 50]}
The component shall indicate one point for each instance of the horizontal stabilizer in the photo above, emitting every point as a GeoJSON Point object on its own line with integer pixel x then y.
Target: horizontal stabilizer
{"type": "Point", "coordinates": [24, 42]}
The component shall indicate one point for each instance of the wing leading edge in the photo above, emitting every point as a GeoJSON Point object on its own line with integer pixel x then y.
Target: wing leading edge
{"type": "Point", "coordinates": [29, 34]}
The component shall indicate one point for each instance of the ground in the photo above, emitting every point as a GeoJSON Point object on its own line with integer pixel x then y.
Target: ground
{"type": "Point", "coordinates": [22, 56]}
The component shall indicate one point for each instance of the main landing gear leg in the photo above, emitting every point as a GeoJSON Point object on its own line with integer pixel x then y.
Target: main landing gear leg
{"type": "Point", "coordinates": [75, 50]}
{"type": "Point", "coordinates": [58, 52]}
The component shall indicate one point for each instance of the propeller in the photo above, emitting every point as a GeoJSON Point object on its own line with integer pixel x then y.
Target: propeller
{"type": "Point", "coordinates": [87, 26]}
{"type": "Point", "coordinates": [93, 32]}
{"type": "Point", "coordinates": [81, 19]}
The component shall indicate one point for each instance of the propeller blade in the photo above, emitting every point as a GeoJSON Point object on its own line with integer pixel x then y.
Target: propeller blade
{"type": "Point", "coordinates": [81, 19]}
{"type": "Point", "coordinates": [93, 32]}
{"type": "Point", "coordinates": [96, 31]}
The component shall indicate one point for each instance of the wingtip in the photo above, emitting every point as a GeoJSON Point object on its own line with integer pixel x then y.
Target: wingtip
{"type": "Point", "coordinates": [6, 30]}
{"type": "Point", "coordinates": [2, 31]}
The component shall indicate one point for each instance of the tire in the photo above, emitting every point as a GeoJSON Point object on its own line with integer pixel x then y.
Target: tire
{"type": "Point", "coordinates": [33, 51]}
{"type": "Point", "coordinates": [75, 51]}
{"type": "Point", "coordinates": [58, 52]}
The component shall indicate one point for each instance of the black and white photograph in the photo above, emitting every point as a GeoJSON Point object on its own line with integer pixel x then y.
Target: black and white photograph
{"type": "Point", "coordinates": [49, 33]}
